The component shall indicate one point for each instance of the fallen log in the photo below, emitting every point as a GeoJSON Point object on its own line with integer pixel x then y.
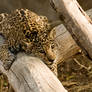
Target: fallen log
{"type": "Point", "coordinates": [30, 74]}
{"type": "Point", "coordinates": [77, 22]}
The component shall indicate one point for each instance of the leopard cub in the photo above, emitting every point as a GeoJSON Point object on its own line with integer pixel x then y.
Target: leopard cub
{"type": "Point", "coordinates": [24, 30]}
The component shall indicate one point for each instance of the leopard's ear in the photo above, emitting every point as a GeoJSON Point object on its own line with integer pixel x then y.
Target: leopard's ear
{"type": "Point", "coordinates": [44, 18]}
{"type": "Point", "coordinates": [2, 16]}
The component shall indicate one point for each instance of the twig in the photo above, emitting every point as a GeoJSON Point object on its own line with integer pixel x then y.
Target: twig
{"type": "Point", "coordinates": [82, 66]}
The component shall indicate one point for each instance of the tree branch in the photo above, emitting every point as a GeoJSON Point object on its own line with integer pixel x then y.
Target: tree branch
{"type": "Point", "coordinates": [76, 21]}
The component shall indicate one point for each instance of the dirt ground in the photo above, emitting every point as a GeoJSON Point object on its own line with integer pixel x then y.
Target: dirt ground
{"type": "Point", "coordinates": [76, 74]}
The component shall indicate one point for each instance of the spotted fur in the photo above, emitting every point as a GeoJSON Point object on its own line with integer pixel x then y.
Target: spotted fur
{"type": "Point", "coordinates": [24, 30]}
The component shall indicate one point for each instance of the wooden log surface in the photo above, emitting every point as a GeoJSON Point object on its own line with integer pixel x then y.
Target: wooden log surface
{"type": "Point", "coordinates": [76, 21]}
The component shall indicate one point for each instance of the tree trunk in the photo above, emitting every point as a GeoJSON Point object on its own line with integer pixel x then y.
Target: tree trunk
{"type": "Point", "coordinates": [66, 46]}
{"type": "Point", "coordinates": [76, 21]}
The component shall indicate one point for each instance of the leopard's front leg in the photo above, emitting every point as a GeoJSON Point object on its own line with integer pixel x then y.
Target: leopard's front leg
{"type": "Point", "coordinates": [6, 56]}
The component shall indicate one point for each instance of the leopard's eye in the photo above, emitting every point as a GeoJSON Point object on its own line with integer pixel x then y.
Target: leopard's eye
{"type": "Point", "coordinates": [52, 45]}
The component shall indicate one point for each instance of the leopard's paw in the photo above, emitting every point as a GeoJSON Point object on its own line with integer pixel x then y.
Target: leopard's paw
{"type": "Point", "coordinates": [8, 63]}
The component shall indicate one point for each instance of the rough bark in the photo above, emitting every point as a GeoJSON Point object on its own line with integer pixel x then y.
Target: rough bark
{"type": "Point", "coordinates": [76, 21]}
{"type": "Point", "coordinates": [30, 74]}
{"type": "Point", "coordinates": [66, 46]}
